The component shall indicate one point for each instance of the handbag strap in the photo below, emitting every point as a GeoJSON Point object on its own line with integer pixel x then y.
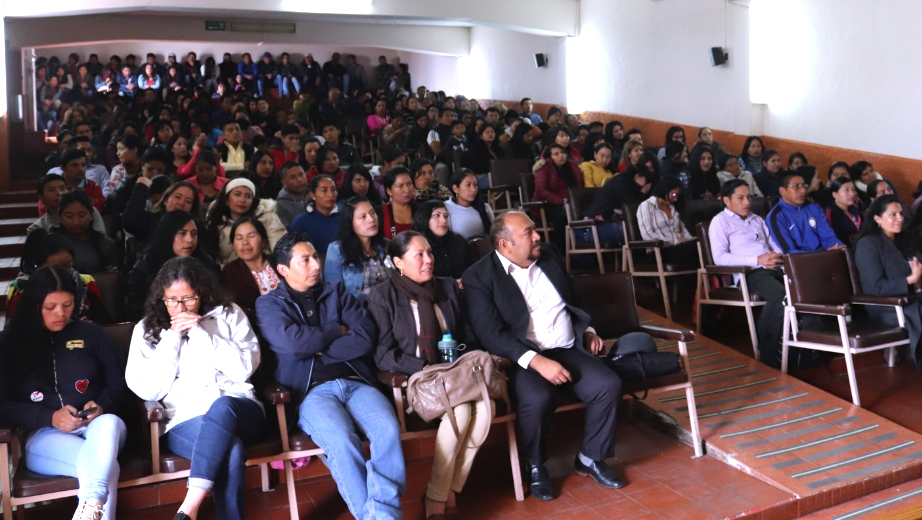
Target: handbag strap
{"type": "Point", "coordinates": [450, 411]}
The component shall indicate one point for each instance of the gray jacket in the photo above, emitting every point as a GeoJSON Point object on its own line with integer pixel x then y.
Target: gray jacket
{"type": "Point", "coordinates": [290, 206]}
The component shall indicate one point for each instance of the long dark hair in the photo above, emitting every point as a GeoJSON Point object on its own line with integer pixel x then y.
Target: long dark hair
{"type": "Point", "coordinates": [346, 193]}
{"type": "Point", "coordinates": [161, 249]}
{"type": "Point", "coordinates": [220, 212]}
{"type": "Point", "coordinates": [26, 343]}
{"type": "Point", "coordinates": [422, 216]}
{"type": "Point", "coordinates": [199, 278]}
{"type": "Point", "coordinates": [349, 242]}
{"type": "Point", "coordinates": [870, 227]}
{"type": "Point", "coordinates": [745, 153]}
{"type": "Point", "coordinates": [457, 177]}
{"type": "Point", "coordinates": [39, 246]}
{"type": "Point", "coordinates": [589, 147]}
{"type": "Point", "coordinates": [96, 238]}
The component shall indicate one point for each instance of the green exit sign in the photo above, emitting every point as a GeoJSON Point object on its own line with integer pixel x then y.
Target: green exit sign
{"type": "Point", "coordinates": [215, 25]}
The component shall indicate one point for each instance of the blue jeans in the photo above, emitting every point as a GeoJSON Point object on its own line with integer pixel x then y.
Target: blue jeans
{"type": "Point", "coordinates": [88, 453]}
{"type": "Point", "coordinates": [334, 414]}
{"type": "Point", "coordinates": [282, 83]}
{"type": "Point", "coordinates": [611, 232]}
{"type": "Point", "coordinates": [214, 442]}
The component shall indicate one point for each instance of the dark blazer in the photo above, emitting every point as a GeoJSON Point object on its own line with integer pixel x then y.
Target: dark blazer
{"type": "Point", "coordinates": [497, 309]}
{"type": "Point", "coordinates": [881, 267]}
{"type": "Point", "coordinates": [396, 346]}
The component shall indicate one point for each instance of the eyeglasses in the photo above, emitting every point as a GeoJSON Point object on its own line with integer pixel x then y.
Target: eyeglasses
{"type": "Point", "coordinates": [173, 302]}
{"type": "Point", "coordinates": [796, 186]}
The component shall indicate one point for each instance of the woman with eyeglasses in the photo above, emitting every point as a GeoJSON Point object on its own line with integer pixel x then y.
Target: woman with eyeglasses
{"type": "Point", "coordinates": [195, 352]}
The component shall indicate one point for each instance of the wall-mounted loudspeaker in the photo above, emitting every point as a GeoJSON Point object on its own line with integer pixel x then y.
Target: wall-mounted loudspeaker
{"type": "Point", "coordinates": [718, 56]}
{"type": "Point", "coordinates": [540, 60]}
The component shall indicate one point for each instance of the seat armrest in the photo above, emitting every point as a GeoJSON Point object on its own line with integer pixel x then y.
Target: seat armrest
{"type": "Point", "coordinates": [276, 393]}
{"type": "Point", "coordinates": [154, 412]}
{"type": "Point", "coordinates": [393, 379]}
{"type": "Point", "coordinates": [644, 244]}
{"type": "Point", "coordinates": [528, 206]}
{"type": "Point", "coordinates": [670, 334]}
{"type": "Point", "coordinates": [727, 269]}
{"type": "Point", "coordinates": [895, 301]}
{"type": "Point", "coordinates": [582, 223]}
{"type": "Point", "coordinates": [827, 310]}
{"type": "Point", "coordinates": [502, 188]}
{"type": "Point", "coordinates": [503, 363]}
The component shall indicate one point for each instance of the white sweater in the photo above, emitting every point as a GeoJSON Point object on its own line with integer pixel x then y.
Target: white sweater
{"type": "Point", "coordinates": [466, 221]}
{"type": "Point", "coordinates": [187, 374]}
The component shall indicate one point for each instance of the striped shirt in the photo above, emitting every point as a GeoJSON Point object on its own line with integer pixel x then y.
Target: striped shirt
{"type": "Point", "coordinates": [656, 225]}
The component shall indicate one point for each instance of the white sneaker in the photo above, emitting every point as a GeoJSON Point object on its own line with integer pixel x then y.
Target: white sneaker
{"type": "Point", "coordinates": [86, 511]}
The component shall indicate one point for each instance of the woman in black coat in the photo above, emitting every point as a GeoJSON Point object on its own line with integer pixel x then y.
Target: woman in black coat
{"type": "Point", "coordinates": [141, 221]}
{"type": "Point", "coordinates": [453, 254]}
{"type": "Point", "coordinates": [412, 311]}
{"type": "Point", "coordinates": [888, 267]}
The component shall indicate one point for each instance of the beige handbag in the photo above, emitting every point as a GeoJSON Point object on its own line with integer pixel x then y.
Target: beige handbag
{"type": "Point", "coordinates": [435, 390]}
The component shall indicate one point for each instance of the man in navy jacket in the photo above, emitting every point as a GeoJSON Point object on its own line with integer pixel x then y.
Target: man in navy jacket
{"type": "Point", "coordinates": [797, 226]}
{"type": "Point", "coordinates": [321, 337]}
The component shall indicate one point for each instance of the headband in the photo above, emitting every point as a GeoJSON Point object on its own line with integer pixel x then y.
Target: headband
{"type": "Point", "coordinates": [240, 181]}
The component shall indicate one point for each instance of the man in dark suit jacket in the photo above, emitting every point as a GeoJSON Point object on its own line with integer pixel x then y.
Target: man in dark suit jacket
{"type": "Point", "coordinates": [523, 306]}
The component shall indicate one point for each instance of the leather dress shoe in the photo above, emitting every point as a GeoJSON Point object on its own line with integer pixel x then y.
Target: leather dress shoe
{"type": "Point", "coordinates": [601, 473]}
{"type": "Point", "coordinates": [540, 485]}
{"type": "Point", "coordinates": [181, 516]}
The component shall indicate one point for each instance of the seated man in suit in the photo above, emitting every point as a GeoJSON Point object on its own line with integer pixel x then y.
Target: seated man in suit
{"type": "Point", "coordinates": [796, 225]}
{"type": "Point", "coordinates": [740, 237]}
{"type": "Point", "coordinates": [523, 306]}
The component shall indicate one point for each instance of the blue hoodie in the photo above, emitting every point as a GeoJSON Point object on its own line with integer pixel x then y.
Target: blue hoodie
{"type": "Point", "coordinates": [800, 229]}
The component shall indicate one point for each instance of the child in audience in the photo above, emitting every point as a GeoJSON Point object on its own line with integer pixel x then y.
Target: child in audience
{"type": "Point", "coordinates": [457, 142]}
{"type": "Point", "coordinates": [50, 189]}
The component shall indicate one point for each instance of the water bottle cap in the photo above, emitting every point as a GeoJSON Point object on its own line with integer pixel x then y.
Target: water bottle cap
{"type": "Point", "coordinates": [446, 337]}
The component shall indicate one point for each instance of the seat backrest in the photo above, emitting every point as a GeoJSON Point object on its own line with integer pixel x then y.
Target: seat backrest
{"type": "Point", "coordinates": [762, 205]}
{"type": "Point", "coordinates": [579, 200]}
{"type": "Point", "coordinates": [113, 224]}
{"type": "Point", "coordinates": [821, 278]}
{"type": "Point", "coordinates": [505, 172]}
{"type": "Point", "coordinates": [609, 300]}
{"type": "Point", "coordinates": [696, 211]}
{"type": "Point", "coordinates": [631, 225]}
{"type": "Point", "coordinates": [111, 291]}
{"type": "Point", "coordinates": [527, 183]}
{"type": "Point", "coordinates": [482, 246]}
{"type": "Point", "coordinates": [121, 335]}
{"type": "Point", "coordinates": [853, 271]}
{"type": "Point", "coordinates": [459, 159]}
{"type": "Point", "coordinates": [704, 242]}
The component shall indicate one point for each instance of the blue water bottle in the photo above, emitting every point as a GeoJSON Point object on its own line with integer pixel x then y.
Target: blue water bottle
{"type": "Point", "coordinates": [448, 349]}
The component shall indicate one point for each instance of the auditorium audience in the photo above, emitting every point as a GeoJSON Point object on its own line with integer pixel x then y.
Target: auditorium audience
{"type": "Point", "coordinates": [730, 170]}
{"type": "Point", "coordinates": [51, 188]}
{"type": "Point", "coordinates": [767, 178]}
{"type": "Point", "coordinates": [485, 149]}
{"type": "Point", "coordinates": [358, 257]}
{"type": "Point", "coordinates": [45, 382]}
{"type": "Point", "coordinates": [552, 184]}
{"type": "Point", "coordinates": [888, 265]}
{"type": "Point", "coordinates": [252, 274]}
{"type": "Point", "coordinates": [358, 181]}
{"type": "Point", "coordinates": [450, 250]}
{"type": "Point", "coordinates": [632, 186]}
{"type": "Point", "coordinates": [327, 163]}
{"type": "Point", "coordinates": [630, 154]}
{"type": "Point", "coordinates": [262, 173]}
{"type": "Point", "coordinates": [706, 138]}
{"type": "Point", "coordinates": [700, 176]}
{"type": "Point", "coordinates": [412, 312]}
{"type": "Point", "coordinates": [293, 197]}
{"type": "Point", "coordinates": [796, 225]}
{"type": "Point", "coordinates": [238, 199]}
{"type": "Point", "coordinates": [751, 156]}
{"type": "Point", "coordinates": [141, 217]}
{"type": "Point", "coordinates": [321, 219]}
{"type": "Point", "coordinates": [426, 185]}
{"type": "Point", "coordinates": [195, 352]}
{"type": "Point", "coordinates": [862, 173]}
{"type": "Point", "coordinates": [322, 338]}
{"type": "Point", "coordinates": [396, 214]}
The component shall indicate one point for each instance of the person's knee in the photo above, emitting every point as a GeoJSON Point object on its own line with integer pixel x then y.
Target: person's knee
{"type": "Point", "coordinates": [110, 423]}
{"type": "Point", "coordinates": [223, 408]}
{"type": "Point", "coordinates": [237, 456]}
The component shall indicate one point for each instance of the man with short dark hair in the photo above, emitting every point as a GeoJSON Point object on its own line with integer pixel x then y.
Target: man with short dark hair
{"type": "Point", "coordinates": [347, 153]}
{"type": "Point", "coordinates": [523, 306]}
{"type": "Point", "coordinates": [293, 198]}
{"type": "Point", "coordinates": [310, 72]}
{"type": "Point", "coordinates": [740, 237]}
{"type": "Point", "coordinates": [73, 168]}
{"type": "Point", "coordinates": [94, 172]}
{"type": "Point", "coordinates": [50, 189]}
{"type": "Point", "coordinates": [265, 74]}
{"type": "Point", "coordinates": [335, 73]}
{"type": "Point", "coordinates": [358, 80]}
{"type": "Point", "coordinates": [438, 142]}
{"type": "Point", "coordinates": [795, 225]}
{"type": "Point", "coordinates": [323, 338]}
{"type": "Point", "coordinates": [385, 73]}
{"type": "Point", "coordinates": [290, 146]}
{"type": "Point", "coordinates": [235, 154]}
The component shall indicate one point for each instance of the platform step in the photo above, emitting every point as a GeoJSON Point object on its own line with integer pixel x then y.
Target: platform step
{"type": "Point", "coordinates": [9, 268]}
{"type": "Point", "coordinates": [19, 210]}
{"type": "Point", "coordinates": [12, 227]}
{"type": "Point", "coordinates": [19, 196]}
{"type": "Point", "coordinates": [11, 246]}
{"type": "Point", "coordinates": [4, 289]}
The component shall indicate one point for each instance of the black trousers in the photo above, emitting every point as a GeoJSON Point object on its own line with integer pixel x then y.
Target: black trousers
{"type": "Point", "coordinates": [536, 398]}
{"type": "Point", "coordinates": [769, 284]}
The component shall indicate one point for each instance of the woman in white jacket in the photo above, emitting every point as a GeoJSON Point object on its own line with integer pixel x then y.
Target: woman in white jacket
{"type": "Point", "coordinates": [195, 352]}
{"type": "Point", "coordinates": [237, 199]}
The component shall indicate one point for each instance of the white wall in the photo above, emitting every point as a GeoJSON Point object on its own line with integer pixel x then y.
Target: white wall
{"type": "Point", "coordinates": [651, 59]}
{"type": "Point", "coordinates": [843, 72]}
{"type": "Point", "coordinates": [501, 65]}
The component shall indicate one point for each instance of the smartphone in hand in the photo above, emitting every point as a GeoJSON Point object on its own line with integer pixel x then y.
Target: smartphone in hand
{"type": "Point", "coordinates": [83, 414]}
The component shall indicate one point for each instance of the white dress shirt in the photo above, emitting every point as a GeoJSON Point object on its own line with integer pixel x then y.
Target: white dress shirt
{"type": "Point", "coordinates": [549, 323]}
